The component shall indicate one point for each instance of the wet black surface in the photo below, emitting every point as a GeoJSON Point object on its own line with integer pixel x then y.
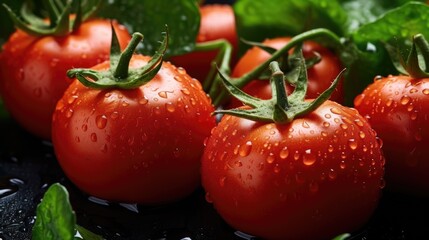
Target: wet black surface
{"type": "Point", "coordinates": [28, 166]}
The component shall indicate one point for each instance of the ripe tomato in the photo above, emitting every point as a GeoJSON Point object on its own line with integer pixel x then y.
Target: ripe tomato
{"type": "Point", "coordinates": [319, 76]}
{"type": "Point", "coordinates": [217, 22]}
{"type": "Point", "coordinates": [33, 69]}
{"type": "Point", "coordinates": [313, 178]}
{"type": "Point", "coordinates": [397, 108]}
{"type": "Point", "coordinates": [142, 145]}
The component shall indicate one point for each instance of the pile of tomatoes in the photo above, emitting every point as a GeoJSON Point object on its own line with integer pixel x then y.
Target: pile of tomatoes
{"type": "Point", "coordinates": [312, 177]}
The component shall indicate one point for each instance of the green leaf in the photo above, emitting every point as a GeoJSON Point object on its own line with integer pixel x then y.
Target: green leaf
{"type": "Point", "coordinates": [87, 235]}
{"type": "Point", "coordinates": [361, 12]}
{"type": "Point", "coordinates": [367, 57]}
{"type": "Point", "coordinates": [343, 236]}
{"type": "Point", "coordinates": [257, 20]}
{"type": "Point", "coordinates": [55, 219]}
{"type": "Point", "coordinates": [7, 26]}
{"type": "Point", "coordinates": [150, 17]}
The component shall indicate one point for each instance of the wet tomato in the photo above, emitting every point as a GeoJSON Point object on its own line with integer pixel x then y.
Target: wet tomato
{"type": "Point", "coordinates": [140, 145]}
{"type": "Point", "coordinates": [397, 108]}
{"type": "Point", "coordinates": [315, 177]}
{"type": "Point", "coordinates": [320, 75]}
{"type": "Point", "coordinates": [217, 22]}
{"type": "Point", "coordinates": [33, 69]}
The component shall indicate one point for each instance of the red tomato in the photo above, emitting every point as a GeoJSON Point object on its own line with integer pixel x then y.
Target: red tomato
{"type": "Point", "coordinates": [217, 22]}
{"type": "Point", "coordinates": [142, 145]}
{"type": "Point", "coordinates": [397, 107]}
{"type": "Point", "coordinates": [313, 178]}
{"type": "Point", "coordinates": [320, 75]}
{"type": "Point", "coordinates": [33, 69]}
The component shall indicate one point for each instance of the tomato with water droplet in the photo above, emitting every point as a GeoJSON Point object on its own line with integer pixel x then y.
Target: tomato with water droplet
{"type": "Point", "coordinates": [397, 107]}
{"type": "Point", "coordinates": [314, 168]}
{"type": "Point", "coordinates": [33, 69]}
{"type": "Point", "coordinates": [147, 151]}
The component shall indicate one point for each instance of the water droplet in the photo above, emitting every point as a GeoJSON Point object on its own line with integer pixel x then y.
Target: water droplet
{"type": "Point", "coordinates": [382, 183]}
{"type": "Point", "coordinates": [114, 115]}
{"type": "Point", "coordinates": [305, 124]}
{"type": "Point", "coordinates": [359, 122]}
{"type": "Point", "coordinates": [332, 174]}
{"type": "Point", "coordinates": [93, 137]}
{"type": "Point", "coordinates": [377, 78]}
{"type": "Point", "coordinates": [77, 139]}
{"type": "Point", "coordinates": [353, 143]}
{"type": "Point", "coordinates": [178, 78]}
{"type": "Point", "coordinates": [326, 124]}
{"type": "Point", "coordinates": [418, 136]}
{"type": "Point", "coordinates": [425, 91]}
{"type": "Point", "coordinates": [163, 94]}
{"type": "Point", "coordinates": [143, 100]}
{"type": "Point", "coordinates": [101, 121]}
{"type": "Point", "coordinates": [185, 91]}
{"type": "Point", "coordinates": [284, 153]}
{"type": "Point", "coordinates": [69, 113]}
{"type": "Point", "coordinates": [270, 159]}
{"type": "Point", "coordinates": [344, 126]}
{"type": "Point", "coordinates": [413, 115]}
{"type": "Point", "coordinates": [296, 156]}
{"type": "Point", "coordinates": [343, 164]}
{"type": "Point", "coordinates": [335, 110]}
{"type": "Point", "coordinates": [71, 99]}
{"type": "Point", "coordinates": [181, 70]}
{"type": "Point", "coordinates": [309, 158]}
{"type": "Point", "coordinates": [328, 116]}
{"type": "Point", "coordinates": [362, 135]}
{"type": "Point", "coordinates": [84, 127]}
{"type": "Point", "coordinates": [405, 100]}
{"type": "Point", "coordinates": [330, 148]}
{"type": "Point", "coordinates": [104, 148]}
{"type": "Point", "coordinates": [170, 107]}
{"type": "Point", "coordinates": [276, 168]}
{"type": "Point", "coordinates": [245, 149]}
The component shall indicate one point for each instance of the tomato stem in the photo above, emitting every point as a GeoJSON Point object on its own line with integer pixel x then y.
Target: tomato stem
{"type": "Point", "coordinates": [121, 70]}
{"type": "Point", "coordinates": [120, 75]}
{"type": "Point", "coordinates": [221, 96]}
{"type": "Point", "coordinates": [59, 15]}
{"type": "Point", "coordinates": [281, 108]}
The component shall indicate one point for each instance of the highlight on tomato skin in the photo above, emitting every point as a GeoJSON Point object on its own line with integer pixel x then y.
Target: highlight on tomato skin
{"type": "Point", "coordinates": [217, 22]}
{"type": "Point", "coordinates": [33, 69]}
{"type": "Point", "coordinates": [320, 75]}
{"type": "Point", "coordinates": [138, 146]}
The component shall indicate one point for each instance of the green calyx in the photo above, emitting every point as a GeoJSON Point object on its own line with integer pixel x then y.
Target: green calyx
{"type": "Point", "coordinates": [119, 75]}
{"type": "Point", "coordinates": [417, 63]}
{"type": "Point", "coordinates": [60, 23]}
{"type": "Point", "coordinates": [281, 108]}
{"type": "Point", "coordinates": [220, 95]}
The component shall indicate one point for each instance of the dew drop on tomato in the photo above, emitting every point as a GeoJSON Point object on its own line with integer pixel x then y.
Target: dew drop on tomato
{"type": "Point", "coordinates": [353, 143]}
{"type": "Point", "coordinates": [405, 100]}
{"type": "Point", "coordinates": [143, 100]}
{"type": "Point", "coordinates": [101, 121]}
{"type": "Point", "coordinates": [270, 159]}
{"type": "Point", "coordinates": [308, 158]}
{"type": "Point", "coordinates": [93, 137]}
{"type": "Point", "coordinates": [284, 153]}
{"type": "Point", "coordinates": [245, 149]}
{"type": "Point", "coordinates": [69, 113]}
{"type": "Point", "coordinates": [332, 174]}
{"type": "Point", "coordinates": [170, 107]}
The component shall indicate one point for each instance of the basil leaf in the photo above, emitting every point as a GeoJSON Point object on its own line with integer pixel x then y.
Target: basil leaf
{"type": "Point", "coordinates": [149, 17]}
{"type": "Point", "coordinates": [257, 20]}
{"type": "Point", "coordinates": [369, 56]}
{"type": "Point", "coordinates": [55, 219]}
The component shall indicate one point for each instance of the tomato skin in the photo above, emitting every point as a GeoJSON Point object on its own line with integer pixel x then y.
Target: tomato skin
{"type": "Point", "coordinates": [397, 108]}
{"type": "Point", "coordinates": [33, 69]}
{"type": "Point", "coordinates": [142, 145]}
{"type": "Point", "coordinates": [313, 178]}
{"type": "Point", "coordinates": [320, 75]}
{"type": "Point", "coordinates": [217, 22]}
